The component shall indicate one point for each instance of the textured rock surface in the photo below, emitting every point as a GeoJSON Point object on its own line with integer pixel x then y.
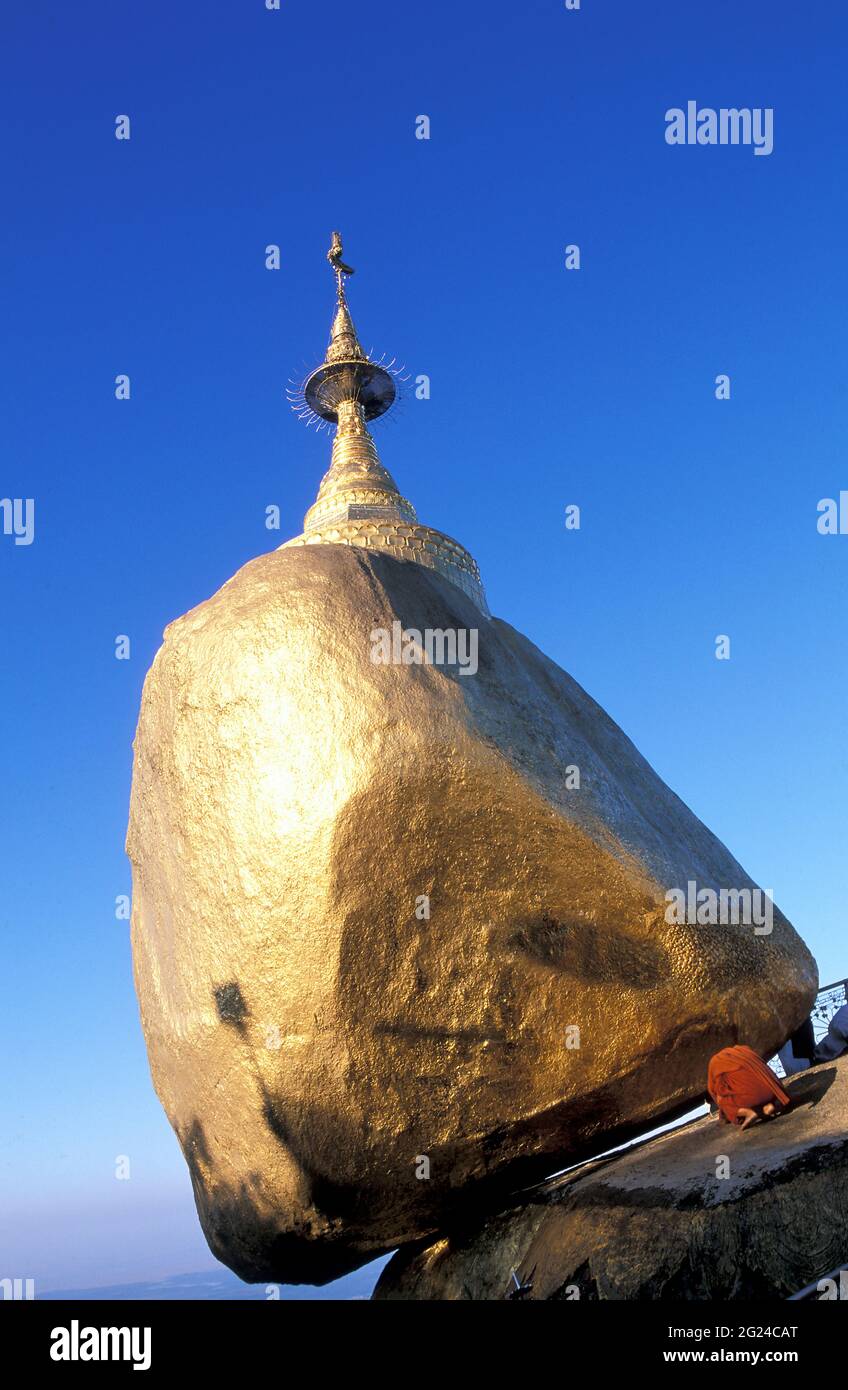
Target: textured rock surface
{"type": "Point", "coordinates": [659, 1223]}
{"type": "Point", "coordinates": [309, 1037]}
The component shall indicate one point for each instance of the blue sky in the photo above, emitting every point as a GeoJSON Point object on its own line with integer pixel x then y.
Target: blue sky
{"type": "Point", "coordinates": [549, 387]}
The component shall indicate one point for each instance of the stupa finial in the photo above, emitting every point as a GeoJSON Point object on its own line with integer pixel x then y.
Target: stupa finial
{"type": "Point", "coordinates": [334, 256]}
{"type": "Point", "coordinates": [344, 344]}
{"type": "Point", "coordinates": [358, 502]}
{"type": "Point", "coordinates": [347, 374]}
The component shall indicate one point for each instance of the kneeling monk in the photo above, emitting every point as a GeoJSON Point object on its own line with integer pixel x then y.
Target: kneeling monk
{"type": "Point", "coordinates": [744, 1088]}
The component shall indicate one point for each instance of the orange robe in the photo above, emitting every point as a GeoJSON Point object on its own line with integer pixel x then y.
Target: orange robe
{"type": "Point", "coordinates": [738, 1078]}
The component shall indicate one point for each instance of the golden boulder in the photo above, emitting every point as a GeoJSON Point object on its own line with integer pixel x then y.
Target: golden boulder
{"type": "Point", "coordinates": [401, 921]}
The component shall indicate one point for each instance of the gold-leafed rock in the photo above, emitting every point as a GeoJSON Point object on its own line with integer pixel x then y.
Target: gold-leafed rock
{"type": "Point", "coordinates": [394, 958]}
{"type": "Point", "coordinates": [311, 1037]}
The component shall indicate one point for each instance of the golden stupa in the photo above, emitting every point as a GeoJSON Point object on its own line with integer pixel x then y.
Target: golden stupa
{"type": "Point", "coordinates": [359, 502]}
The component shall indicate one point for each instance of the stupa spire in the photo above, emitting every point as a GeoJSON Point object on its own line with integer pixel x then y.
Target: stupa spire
{"type": "Point", "coordinates": [344, 344]}
{"type": "Point", "coordinates": [358, 502]}
{"type": "Point", "coordinates": [347, 390]}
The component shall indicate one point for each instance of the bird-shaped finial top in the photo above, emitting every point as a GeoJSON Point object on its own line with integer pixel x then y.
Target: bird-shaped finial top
{"type": "Point", "coordinates": [334, 256]}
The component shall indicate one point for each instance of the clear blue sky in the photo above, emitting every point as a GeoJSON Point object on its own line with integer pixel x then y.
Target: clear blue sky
{"type": "Point", "coordinates": [549, 387]}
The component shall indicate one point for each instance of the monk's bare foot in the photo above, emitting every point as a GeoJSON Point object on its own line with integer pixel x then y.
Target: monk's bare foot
{"type": "Point", "coordinates": [748, 1116]}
